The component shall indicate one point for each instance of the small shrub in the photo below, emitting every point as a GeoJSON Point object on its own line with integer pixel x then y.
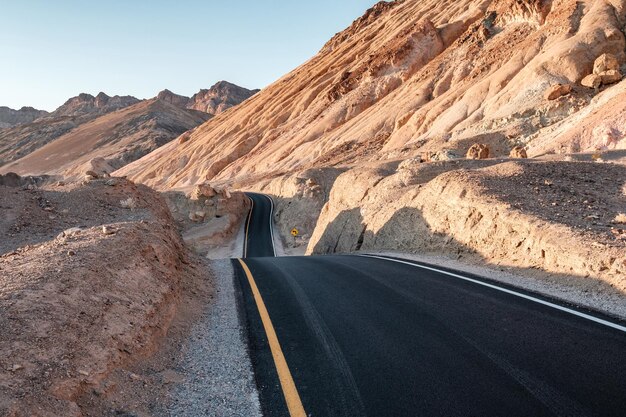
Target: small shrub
{"type": "Point", "coordinates": [129, 203]}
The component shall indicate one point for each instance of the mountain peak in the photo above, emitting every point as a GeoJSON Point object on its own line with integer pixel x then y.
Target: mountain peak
{"type": "Point", "coordinates": [85, 103]}
{"type": "Point", "coordinates": [220, 97]}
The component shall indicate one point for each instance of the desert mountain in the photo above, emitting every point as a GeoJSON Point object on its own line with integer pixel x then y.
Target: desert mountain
{"type": "Point", "coordinates": [416, 76]}
{"type": "Point", "coordinates": [217, 99]}
{"type": "Point", "coordinates": [21, 140]}
{"type": "Point", "coordinates": [118, 137]}
{"type": "Point", "coordinates": [10, 117]}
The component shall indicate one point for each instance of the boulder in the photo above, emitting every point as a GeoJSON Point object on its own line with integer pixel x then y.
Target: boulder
{"type": "Point", "coordinates": [558, 90]}
{"type": "Point", "coordinates": [478, 151]}
{"type": "Point", "coordinates": [184, 137]}
{"type": "Point", "coordinates": [91, 174]}
{"type": "Point", "coordinates": [518, 152]}
{"type": "Point", "coordinates": [202, 191]}
{"type": "Point", "coordinates": [444, 155]}
{"type": "Point", "coordinates": [610, 76]}
{"type": "Point", "coordinates": [592, 81]}
{"type": "Point", "coordinates": [10, 179]}
{"type": "Point", "coordinates": [99, 166]}
{"type": "Point", "coordinates": [605, 62]}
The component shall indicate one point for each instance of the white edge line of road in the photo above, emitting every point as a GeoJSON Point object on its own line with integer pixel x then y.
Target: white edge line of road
{"type": "Point", "coordinates": [515, 293]}
{"type": "Point", "coordinates": [271, 222]}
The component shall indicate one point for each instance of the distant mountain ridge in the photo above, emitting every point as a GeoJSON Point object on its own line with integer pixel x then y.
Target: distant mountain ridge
{"type": "Point", "coordinates": [10, 117]}
{"type": "Point", "coordinates": [141, 126]}
{"type": "Point", "coordinates": [217, 99]}
{"type": "Point", "coordinates": [87, 104]}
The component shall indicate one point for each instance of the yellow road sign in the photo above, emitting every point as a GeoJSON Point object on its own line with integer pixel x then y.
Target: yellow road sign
{"type": "Point", "coordinates": [294, 232]}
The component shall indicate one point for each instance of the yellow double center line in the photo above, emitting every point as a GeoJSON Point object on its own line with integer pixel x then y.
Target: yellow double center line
{"type": "Point", "coordinates": [294, 404]}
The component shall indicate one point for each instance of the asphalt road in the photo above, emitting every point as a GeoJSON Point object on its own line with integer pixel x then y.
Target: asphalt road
{"type": "Point", "coordinates": [356, 336]}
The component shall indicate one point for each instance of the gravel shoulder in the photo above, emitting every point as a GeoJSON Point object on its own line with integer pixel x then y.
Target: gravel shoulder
{"type": "Point", "coordinates": [219, 377]}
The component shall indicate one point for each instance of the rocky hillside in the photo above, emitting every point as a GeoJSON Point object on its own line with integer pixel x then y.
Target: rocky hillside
{"type": "Point", "coordinates": [217, 99]}
{"type": "Point", "coordinates": [20, 140]}
{"type": "Point", "coordinates": [10, 117]}
{"type": "Point", "coordinates": [113, 139]}
{"type": "Point", "coordinates": [30, 135]}
{"type": "Point", "coordinates": [418, 76]}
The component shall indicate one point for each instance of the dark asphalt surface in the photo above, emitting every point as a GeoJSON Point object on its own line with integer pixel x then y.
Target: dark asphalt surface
{"type": "Point", "coordinates": [259, 234]}
{"type": "Point", "coordinates": [365, 336]}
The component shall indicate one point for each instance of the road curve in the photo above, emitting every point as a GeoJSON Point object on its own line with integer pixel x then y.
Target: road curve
{"type": "Point", "coordinates": [259, 238]}
{"type": "Point", "coordinates": [365, 336]}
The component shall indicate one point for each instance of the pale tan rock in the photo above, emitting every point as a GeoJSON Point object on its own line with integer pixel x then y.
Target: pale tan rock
{"type": "Point", "coordinates": [592, 81]}
{"type": "Point", "coordinates": [203, 191]}
{"type": "Point", "coordinates": [518, 152]}
{"type": "Point", "coordinates": [558, 90]}
{"type": "Point", "coordinates": [478, 151]}
{"type": "Point", "coordinates": [610, 77]}
{"type": "Point", "coordinates": [605, 62]}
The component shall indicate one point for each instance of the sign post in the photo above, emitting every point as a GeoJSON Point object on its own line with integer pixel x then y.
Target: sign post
{"type": "Point", "coordinates": [294, 233]}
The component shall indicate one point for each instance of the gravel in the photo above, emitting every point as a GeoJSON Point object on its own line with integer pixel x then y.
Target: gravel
{"type": "Point", "coordinates": [220, 379]}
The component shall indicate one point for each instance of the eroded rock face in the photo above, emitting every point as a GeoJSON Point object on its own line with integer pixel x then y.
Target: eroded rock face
{"type": "Point", "coordinates": [478, 151]}
{"type": "Point", "coordinates": [558, 90]}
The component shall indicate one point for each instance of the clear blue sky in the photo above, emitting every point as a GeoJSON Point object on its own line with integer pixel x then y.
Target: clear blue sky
{"type": "Point", "coordinates": [53, 50]}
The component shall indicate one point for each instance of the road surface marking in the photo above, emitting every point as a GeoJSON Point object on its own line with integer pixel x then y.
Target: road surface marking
{"type": "Point", "coordinates": [245, 241]}
{"type": "Point", "coordinates": [290, 391]}
{"type": "Point", "coordinates": [495, 287]}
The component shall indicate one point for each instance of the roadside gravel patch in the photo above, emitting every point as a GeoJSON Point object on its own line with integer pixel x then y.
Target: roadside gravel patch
{"type": "Point", "coordinates": [219, 376]}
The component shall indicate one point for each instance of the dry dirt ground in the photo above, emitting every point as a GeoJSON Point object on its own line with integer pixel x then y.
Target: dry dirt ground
{"type": "Point", "coordinates": [79, 308]}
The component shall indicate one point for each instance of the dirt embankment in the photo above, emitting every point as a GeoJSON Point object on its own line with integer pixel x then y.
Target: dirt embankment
{"type": "Point", "coordinates": [89, 280]}
{"type": "Point", "coordinates": [531, 216]}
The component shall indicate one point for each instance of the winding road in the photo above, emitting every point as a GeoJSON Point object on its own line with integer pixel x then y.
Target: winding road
{"type": "Point", "coordinates": [377, 336]}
